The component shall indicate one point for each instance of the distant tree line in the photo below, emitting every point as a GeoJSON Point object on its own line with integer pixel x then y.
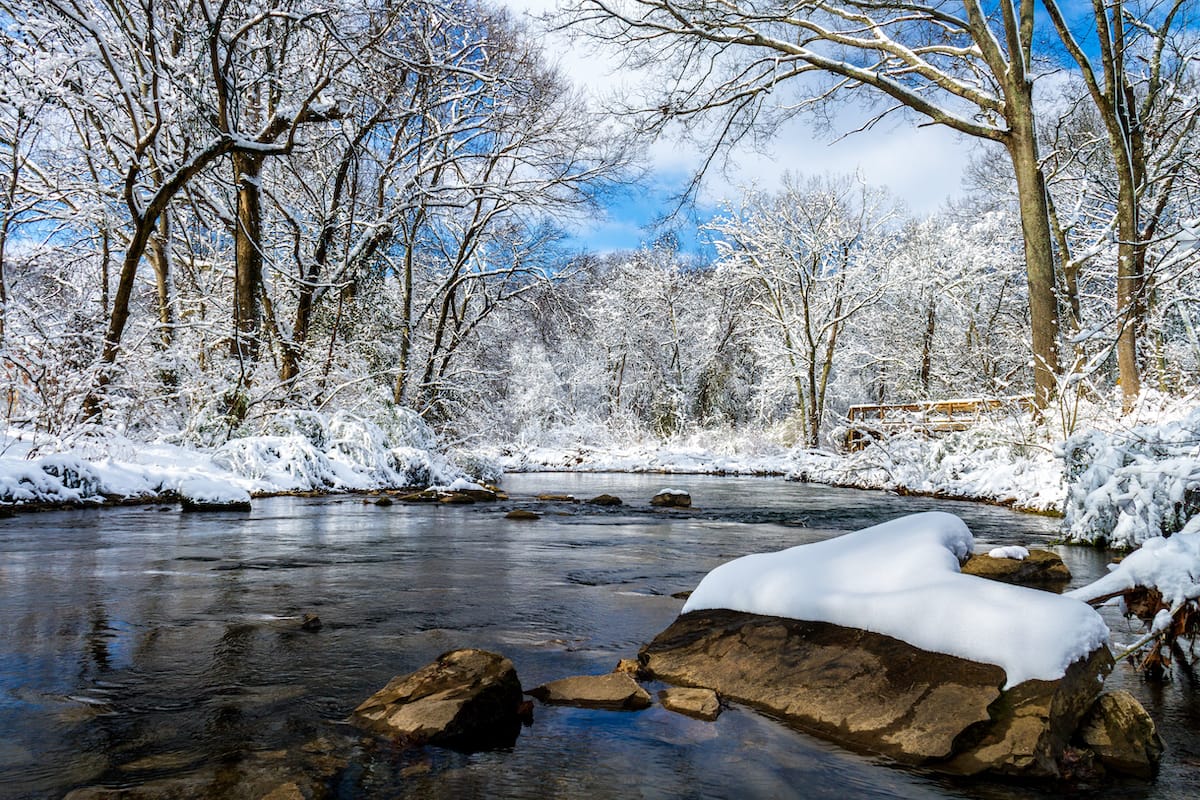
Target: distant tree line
{"type": "Point", "coordinates": [211, 210]}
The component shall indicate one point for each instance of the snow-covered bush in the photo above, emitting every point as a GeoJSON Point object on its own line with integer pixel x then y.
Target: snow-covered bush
{"type": "Point", "coordinates": [1130, 486]}
{"type": "Point", "coordinates": [991, 461]}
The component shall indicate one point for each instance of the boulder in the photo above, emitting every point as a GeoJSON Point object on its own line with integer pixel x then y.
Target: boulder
{"type": "Point", "coordinates": [878, 694]}
{"type": "Point", "coordinates": [629, 665]}
{"type": "Point", "coordinates": [1039, 568]}
{"type": "Point", "coordinates": [671, 498]}
{"type": "Point", "coordinates": [605, 500]}
{"type": "Point", "coordinates": [466, 700]}
{"type": "Point", "coordinates": [616, 691]}
{"type": "Point", "coordinates": [210, 494]}
{"type": "Point", "coordinates": [483, 495]}
{"type": "Point", "coordinates": [699, 703]}
{"type": "Point", "coordinates": [1122, 735]}
{"type": "Point", "coordinates": [456, 498]}
{"type": "Point", "coordinates": [557, 498]}
{"type": "Point", "coordinates": [522, 514]}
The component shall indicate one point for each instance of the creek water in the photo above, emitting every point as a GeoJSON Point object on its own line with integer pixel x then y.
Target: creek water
{"type": "Point", "coordinates": [142, 647]}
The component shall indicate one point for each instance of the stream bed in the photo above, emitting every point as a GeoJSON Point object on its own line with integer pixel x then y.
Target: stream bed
{"type": "Point", "coordinates": [144, 647]}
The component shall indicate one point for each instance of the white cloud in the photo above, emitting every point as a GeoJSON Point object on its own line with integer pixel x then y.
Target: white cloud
{"type": "Point", "coordinates": [922, 166]}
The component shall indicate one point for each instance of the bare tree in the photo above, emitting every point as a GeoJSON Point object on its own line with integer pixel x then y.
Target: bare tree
{"type": "Point", "coordinates": [812, 257]}
{"type": "Point", "coordinates": [963, 64]}
{"type": "Point", "coordinates": [1141, 95]}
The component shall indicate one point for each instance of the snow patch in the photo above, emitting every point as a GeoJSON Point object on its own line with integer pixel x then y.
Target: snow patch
{"type": "Point", "coordinates": [211, 491]}
{"type": "Point", "coordinates": [1170, 565]}
{"type": "Point", "coordinates": [1015, 552]}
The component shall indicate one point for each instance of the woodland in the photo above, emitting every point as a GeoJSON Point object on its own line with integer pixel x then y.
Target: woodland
{"type": "Point", "coordinates": [212, 212]}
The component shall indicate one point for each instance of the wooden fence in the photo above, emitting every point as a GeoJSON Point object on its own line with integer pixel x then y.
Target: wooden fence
{"type": "Point", "coordinates": [929, 417]}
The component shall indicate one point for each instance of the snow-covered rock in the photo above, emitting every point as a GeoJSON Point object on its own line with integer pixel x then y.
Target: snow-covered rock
{"type": "Point", "coordinates": [902, 579]}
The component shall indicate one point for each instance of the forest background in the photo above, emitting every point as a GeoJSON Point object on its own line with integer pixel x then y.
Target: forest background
{"type": "Point", "coordinates": [215, 213]}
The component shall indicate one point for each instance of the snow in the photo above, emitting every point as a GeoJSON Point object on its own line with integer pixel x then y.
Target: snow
{"type": "Point", "coordinates": [1170, 565]}
{"type": "Point", "coordinates": [303, 451]}
{"type": "Point", "coordinates": [981, 464]}
{"type": "Point", "coordinates": [1129, 486]}
{"type": "Point", "coordinates": [902, 579]}
{"type": "Point", "coordinates": [463, 485]}
{"type": "Point", "coordinates": [1015, 552]}
{"type": "Point", "coordinates": [212, 491]}
{"type": "Point", "coordinates": [672, 492]}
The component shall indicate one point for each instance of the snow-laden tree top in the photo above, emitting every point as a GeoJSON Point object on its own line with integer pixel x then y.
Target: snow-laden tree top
{"type": "Point", "coordinates": [902, 579]}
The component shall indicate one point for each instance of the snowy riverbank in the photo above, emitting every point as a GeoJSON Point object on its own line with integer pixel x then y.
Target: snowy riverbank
{"type": "Point", "coordinates": [967, 465]}
{"type": "Point", "coordinates": [1119, 483]}
{"type": "Point", "coordinates": [1120, 486]}
{"type": "Point", "coordinates": [297, 452]}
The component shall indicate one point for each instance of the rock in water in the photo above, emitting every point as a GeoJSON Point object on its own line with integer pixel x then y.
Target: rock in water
{"type": "Point", "coordinates": [874, 693]}
{"type": "Point", "coordinates": [671, 498]}
{"type": "Point", "coordinates": [209, 494]}
{"type": "Point", "coordinates": [466, 700]}
{"type": "Point", "coordinates": [699, 703]}
{"type": "Point", "coordinates": [1122, 735]}
{"type": "Point", "coordinates": [605, 500]}
{"type": "Point", "coordinates": [1040, 568]}
{"type": "Point", "coordinates": [617, 691]}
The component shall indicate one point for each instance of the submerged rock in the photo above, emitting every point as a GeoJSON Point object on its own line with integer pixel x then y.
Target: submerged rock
{"type": "Point", "coordinates": [557, 498]}
{"type": "Point", "coordinates": [629, 665]}
{"type": "Point", "coordinates": [1122, 735]}
{"type": "Point", "coordinates": [523, 514]}
{"type": "Point", "coordinates": [466, 700]}
{"type": "Point", "coordinates": [617, 691]}
{"type": "Point", "coordinates": [699, 703]}
{"type": "Point", "coordinates": [878, 694]}
{"type": "Point", "coordinates": [1040, 568]}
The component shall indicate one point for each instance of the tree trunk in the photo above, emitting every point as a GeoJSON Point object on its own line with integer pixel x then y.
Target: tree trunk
{"type": "Point", "coordinates": [927, 345]}
{"type": "Point", "coordinates": [159, 256]}
{"type": "Point", "coordinates": [1039, 252]}
{"type": "Point", "coordinates": [247, 170]}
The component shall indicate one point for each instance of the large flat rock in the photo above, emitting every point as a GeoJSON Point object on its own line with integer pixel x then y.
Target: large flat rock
{"type": "Point", "coordinates": [616, 691]}
{"type": "Point", "coordinates": [878, 694]}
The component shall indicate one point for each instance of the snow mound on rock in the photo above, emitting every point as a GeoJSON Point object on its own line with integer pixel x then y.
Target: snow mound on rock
{"type": "Point", "coordinates": [902, 579]}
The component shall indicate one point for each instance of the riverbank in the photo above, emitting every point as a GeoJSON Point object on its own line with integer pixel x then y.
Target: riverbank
{"type": "Point", "coordinates": [1117, 487]}
{"type": "Point", "coordinates": [302, 453]}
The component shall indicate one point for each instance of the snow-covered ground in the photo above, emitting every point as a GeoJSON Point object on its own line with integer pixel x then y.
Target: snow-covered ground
{"type": "Point", "coordinates": [1120, 485]}
{"type": "Point", "coordinates": [981, 464]}
{"type": "Point", "coordinates": [1118, 482]}
{"type": "Point", "coordinates": [902, 579]}
{"type": "Point", "coordinates": [297, 451]}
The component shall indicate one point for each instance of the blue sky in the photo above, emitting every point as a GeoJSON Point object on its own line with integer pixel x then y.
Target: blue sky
{"type": "Point", "coordinates": [922, 166]}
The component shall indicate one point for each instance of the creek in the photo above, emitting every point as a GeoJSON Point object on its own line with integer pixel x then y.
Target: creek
{"type": "Point", "coordinates": [141, 646]}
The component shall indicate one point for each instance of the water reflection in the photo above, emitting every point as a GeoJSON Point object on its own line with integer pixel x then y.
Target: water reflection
{"type": "Point", "coordinates": [139, 646]}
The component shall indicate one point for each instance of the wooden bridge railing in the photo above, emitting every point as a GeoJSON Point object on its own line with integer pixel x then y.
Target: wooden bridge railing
{"type": "Point", "coordinates": [927, 416]}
